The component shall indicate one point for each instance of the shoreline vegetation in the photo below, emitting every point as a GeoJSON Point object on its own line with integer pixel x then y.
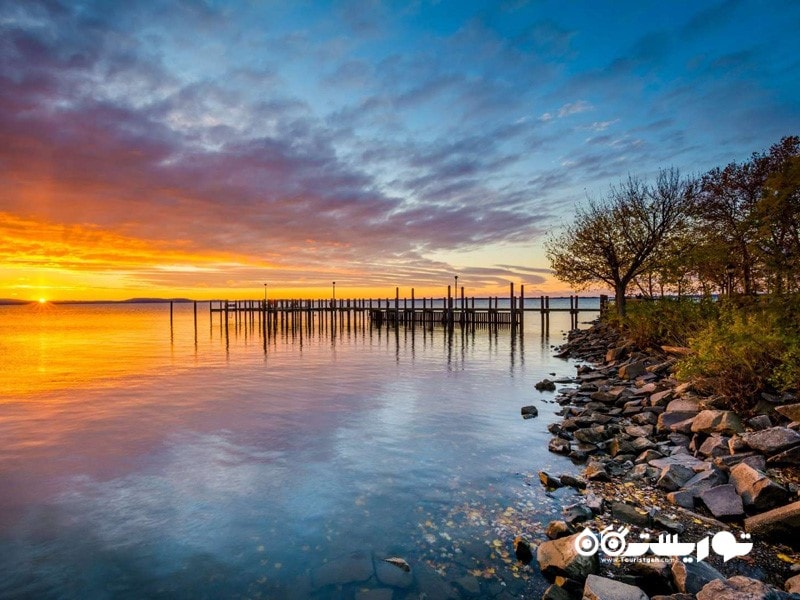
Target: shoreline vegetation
{"type": "Point", "coordinates": [685, 409]}
{"type": "Point", "coordinates": [664, 456]}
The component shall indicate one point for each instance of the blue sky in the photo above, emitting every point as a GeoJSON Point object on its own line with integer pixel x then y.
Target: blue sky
{"type": "Point", "coordinates": [377, 143]}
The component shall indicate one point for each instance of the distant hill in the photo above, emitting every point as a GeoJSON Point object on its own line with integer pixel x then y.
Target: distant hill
{"type": "Point", "coordinates": [13, 301]}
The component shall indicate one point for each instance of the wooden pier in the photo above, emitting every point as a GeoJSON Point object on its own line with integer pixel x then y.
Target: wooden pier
{"type": "Point", "coordinates": [447, 310]}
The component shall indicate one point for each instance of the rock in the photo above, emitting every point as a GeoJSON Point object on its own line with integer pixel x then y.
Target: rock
{"type": "Point", "coordinates": [379, 594]}
{"type": "Point", "coordinates": [792, 585]}
{"type": "Point", "coordinates": [683, 498]}
{"type": "Point", "coordinates": [675, 422]}
{"type": "Point", "coordinates": [760, 422]}
{"type": "Point", "coordinates": [619, 446]}
{"type": "Point", "coordinates": [523, 550]}
{"type": "Point", "coordinates": [685, 460]}
{"type": "Point", "coordinates": [715, 445]}
{"type": "Point", "coordinates": [773, 440]}
{"type": "Point", "coordinates": [790, 411]}
{"type": "Point", "coordinates": [736, 444]}
{"type": "Point", "coordinates": [779, 523]}
{"type": "Point", "coordinates": [739, 588]}
{"type": "Point", "coordinates": [755, 460]}
{"type": "Point", "coordinates": [594, 503]}
{"type": "Point", "coordinates": [602, 588]}
{"type": "Point", "coordinates": [632, 370]}
{"type": "Point", "coordinates": [661, 398]}
{"type": "Point", "coordinates": [341, 571]}
{"type": "Point", "coordinates": [596, 472]}
{"type": "Point", "coordinates": [690, 578]}
{"type": "Point", "coordinates": [394, 572]}
{"type": "Point", "coordinates": [615, 353]}
{"type": "Point", "coordinates": [647, 456]}
{"type": "Point", "coordinates": [548, 481]}
{"type": "Point", "coordinates": [723, 502]}
{"type": "Point", "coordinates": [717, 421]}
{"type": "Point", "coordinates": [660, 520]}
{"type": "Point", "coordinates": [628, 513]}
{"type": "Point", "coordinates": [545, 385]}
{"type": "Point", "coordinates": [577, 513]}
{"type": "Point", "coordinates": [687, 404]}
{"type": "Point", "coordinates": [592, 435]}
{"type": "Point", "coordinates": [559, 557]}
{"type": "Point", "coordinates": [674, 476]}
{"type": "Point", "coordinates": [468, 585]}
{"type": "Point", "coordinates": [573, 482]}
{"type": "Point", "coordinates": [787, 457]}
{"type": "Point", "coordinates": [756, 489]}
{"type": "Point", "coordinates": [528, 412]}
{"type": "Point", "coordinates": [636, 431]}
{"type": "Point", "coordinates": [557, 529]}
{"type": "Point", "coordinates": [556, 592]}
{"type": "Point", "coordinates": [559, 446]}
{"type": "Point", "coordinates": [705, 480]}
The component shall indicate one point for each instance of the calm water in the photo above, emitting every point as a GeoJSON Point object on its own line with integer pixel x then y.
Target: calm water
{"type": "Point", "coordinates": [138, 461]}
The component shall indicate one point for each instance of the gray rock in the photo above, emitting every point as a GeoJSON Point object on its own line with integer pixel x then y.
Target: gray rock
{"type": "Point", "coordinates": [559, 557]}
{"type": "Point", "coordinates": [682, 498]}
{"type": "Point", "coordinates": [556, 592]}
{"type": "Point", "coordinates": [647, 456]}
{"type": "Point", "coordinates": [341, 571]}
{"type": "Point", "coordinates": [548, 481]}
{"type": "Point", "coordinates": [592, 435]}
{"type": "Point", "coordinates": [636, 431]}
{"type": "Point", "coordinates": [736, 444]}
{"type": "Point", "coordinates": [660, 520]}
{"type": "Point", "coordinates": [674, 476]}
{"type": "Point", "coordinates": [705, 480]}
{"type": "Point", "coordinates": [675, 422]}
{"type": "Point", "coordinates": [393, 574]}
{"type": "Point", "coordinates": [723, 502]}
{"type": "Point", "coordinates": [690, 578]}
{"type": "Point", "coordinates": [757, 490]}
{"type": "Point", "coordinates": [573, 482]}
{"type": "Point", "coordinates": [528, 412]}
{"type": "Point", "coordinates": [779, 523]}
{"type": "Point", "coordinates": [559, 446]}
{"type": "Point", "coordinates": [787, 457]}
{"type": "Point", "coordinates": [594, 503]}
{"type": "Point", "coordinates": [602, 588]}
{"type": "Point", "coordinates": [661, 398]}
{"type": "Point", "coordinates": [628, 513]}
{"type": "Point", "coordinates": [577, 513]}
{"type": "Point", "coordinates": [739, 588]}
{"type": "Point", "coordinates": [760, 422]}
{"type": "Point", "coordinates": [685, 460]}
{"type": "Point", "coordinates": [754, 459]}
{"type": "Point", "coordinates": [715, 445]}
{"type": "Point", "coordinates": [773, 440]}
{"type": "Point", "coordinates": [619, 446]}
{"type": "Point", "coordinates": [717, 421]}
{"type": "Point", "coordinates": [632, 370]}
{"type": "Point", "coordinates": [545, 385]}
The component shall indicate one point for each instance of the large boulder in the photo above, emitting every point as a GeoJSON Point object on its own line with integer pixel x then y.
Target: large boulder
{"type": "Point", "coordinates": [773, 440]}
{"type": "Point", "coordinates": [560, 557]}
{"type": "Point", "coordinates": [724, 422]}
{"type": "Point", "coordinates": [757, 490]}
{"type": "Point", "coordinates": [723, 502]}
{"type": "Point", "coordinates": [602, 588]}
{"type": "Point", "coordinates": [674, 476]}
{"type": "Point", "coordinates": [779, 523]}
{"type": "Point", "coordinates": [739, 588]}
{"type": "Point", "coordinates": [690, 578]}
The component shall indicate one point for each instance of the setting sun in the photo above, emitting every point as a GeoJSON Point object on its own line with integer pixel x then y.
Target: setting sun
{"type": "Point", "coordinates": [42, 300]}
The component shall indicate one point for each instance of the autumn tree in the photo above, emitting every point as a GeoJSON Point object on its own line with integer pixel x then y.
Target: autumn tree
{"type": "Point", "coordinates": [625, 234]}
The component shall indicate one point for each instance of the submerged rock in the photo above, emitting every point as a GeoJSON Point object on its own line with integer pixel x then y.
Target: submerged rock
{"type": "Point", "coordinates": [602, 588]}
{"type": "Point", "coordinates": [528, 412]}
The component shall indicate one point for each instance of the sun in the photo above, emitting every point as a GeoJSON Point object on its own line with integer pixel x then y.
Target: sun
{"type": "Point", "coordinates": [42, 300]}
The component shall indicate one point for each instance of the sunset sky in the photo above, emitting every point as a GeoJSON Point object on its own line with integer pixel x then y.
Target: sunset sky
{"type": "Point", "coordinates": [200, 149]}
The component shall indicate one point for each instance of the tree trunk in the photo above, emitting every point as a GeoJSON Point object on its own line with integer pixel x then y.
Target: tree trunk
{"type": "Point", "coordinates": [619, 298]}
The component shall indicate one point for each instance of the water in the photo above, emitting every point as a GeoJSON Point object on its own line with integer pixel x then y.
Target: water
{"type": "Point", "coordinates": [138, 461]}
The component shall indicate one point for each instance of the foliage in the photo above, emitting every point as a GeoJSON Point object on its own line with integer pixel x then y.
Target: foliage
{"type": "Point", "coordinates": [666, 321]}
{"type": "Point", "coordinates": [752, 347]}
{"type": "Point", "coordinates": [614, 240]}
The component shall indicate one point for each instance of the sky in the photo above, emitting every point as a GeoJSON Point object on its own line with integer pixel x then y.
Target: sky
{"type": "Point", "coordinates": [202, 149]}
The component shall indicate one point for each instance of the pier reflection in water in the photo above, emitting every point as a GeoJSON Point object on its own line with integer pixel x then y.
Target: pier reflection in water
{"type": "Point", "coordinates": [224, 462]}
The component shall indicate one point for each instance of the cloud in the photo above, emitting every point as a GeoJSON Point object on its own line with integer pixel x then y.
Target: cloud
{"type": "Point", "coordinates": [573, 108]}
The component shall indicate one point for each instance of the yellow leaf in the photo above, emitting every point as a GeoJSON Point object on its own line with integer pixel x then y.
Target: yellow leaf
{"type": "Point", "coordinates": [787, 559]}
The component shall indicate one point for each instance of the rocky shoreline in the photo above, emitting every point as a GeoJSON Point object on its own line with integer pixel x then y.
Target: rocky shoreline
{"type": "Point", "coordinates": [663, 459]}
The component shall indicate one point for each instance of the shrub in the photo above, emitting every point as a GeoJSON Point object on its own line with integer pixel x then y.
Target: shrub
{"type": "Point", "coordinates": [665, 321]}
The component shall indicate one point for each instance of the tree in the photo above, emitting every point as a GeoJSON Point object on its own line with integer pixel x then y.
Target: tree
{"type": "Point", "coordinates": [618, 238]}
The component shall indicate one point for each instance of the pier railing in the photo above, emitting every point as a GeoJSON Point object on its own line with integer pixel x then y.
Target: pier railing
{"type": "Point", "coordinates": [446, 310]}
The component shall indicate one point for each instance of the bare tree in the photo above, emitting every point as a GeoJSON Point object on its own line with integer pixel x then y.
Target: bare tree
{"type": "Point", "coordinates": [618, 238]}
